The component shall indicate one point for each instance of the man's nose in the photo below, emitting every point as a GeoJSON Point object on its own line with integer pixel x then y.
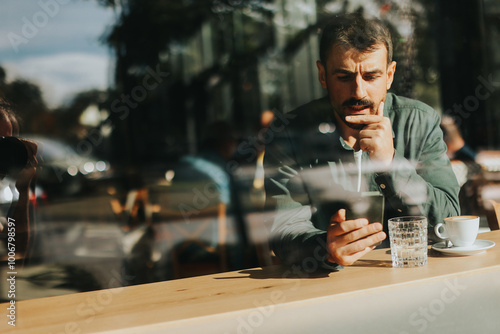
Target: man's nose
{"type": "Point", "coordinates": [359, 87]}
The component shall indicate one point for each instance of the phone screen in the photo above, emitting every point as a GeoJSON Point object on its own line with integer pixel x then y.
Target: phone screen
{"type": "Point", "coordinates": [369, 205]}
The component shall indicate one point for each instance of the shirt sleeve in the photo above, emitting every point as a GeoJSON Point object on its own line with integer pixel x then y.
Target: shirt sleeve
{"type": "Point", "coordinates": [421, 180]}
{"type": "Point", "coordinates": [294, 238]}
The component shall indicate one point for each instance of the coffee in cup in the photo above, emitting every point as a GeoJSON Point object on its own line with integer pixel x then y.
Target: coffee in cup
{"type": "Point", "coordinates": [460, 230]}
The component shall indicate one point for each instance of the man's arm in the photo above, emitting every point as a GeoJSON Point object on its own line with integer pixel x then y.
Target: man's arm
{"type": "Point", "coordinates": [293, 235]}
{"type": "Point", "coordinates": [420, 180]}
{"type": "Point", "coordinates": [294, 238]}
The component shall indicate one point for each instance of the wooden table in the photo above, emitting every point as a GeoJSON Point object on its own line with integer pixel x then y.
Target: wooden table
{"type": "Point", "coordinates": [449, 295]}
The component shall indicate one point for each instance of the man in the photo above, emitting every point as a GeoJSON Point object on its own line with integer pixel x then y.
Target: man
{"type": "Point", "coordinates": [359, 139]}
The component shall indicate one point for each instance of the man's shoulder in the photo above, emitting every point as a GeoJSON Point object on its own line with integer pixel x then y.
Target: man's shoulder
{"type": "Point", "coordinates": [403, 110]}
{"type": "Point", "coordinates": [404, 105]}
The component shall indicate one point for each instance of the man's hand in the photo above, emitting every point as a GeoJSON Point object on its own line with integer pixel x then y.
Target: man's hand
{"type": "Point", "coordinates": [348, 240]}
{"type": "Point", "coordinates": [25, 176]}
{"type": "Point", "coordinates": [376, 137]}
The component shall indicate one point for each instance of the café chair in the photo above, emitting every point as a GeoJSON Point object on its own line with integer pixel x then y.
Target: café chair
{"type": "Point", "coordinates": [128, 212]}
{"type": "Point", "coordinates": [489, 203]}
{"type": "Point", "coordinates": [194, 256]}
{"type": "Point", "coordinates": [194, 233]}
{"type": "Point", "coordinates": [492, 213]}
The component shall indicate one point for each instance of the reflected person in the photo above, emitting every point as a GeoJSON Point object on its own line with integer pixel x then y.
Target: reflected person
{"type": "Point", "coordinates": [359, 138]}
{"type": "Point", "coordinates": [17, 170]}
{"type": "Point", "coordinates": [458, 149]}
{"type": "Point", "coordinates": [213, 168]}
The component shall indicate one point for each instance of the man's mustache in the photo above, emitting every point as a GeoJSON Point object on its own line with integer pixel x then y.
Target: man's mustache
{"type": "Point", "coordinates": [357, 102]}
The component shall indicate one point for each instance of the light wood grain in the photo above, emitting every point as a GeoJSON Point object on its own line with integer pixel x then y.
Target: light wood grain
{"type": "Point", "coordinates": [157, 306]}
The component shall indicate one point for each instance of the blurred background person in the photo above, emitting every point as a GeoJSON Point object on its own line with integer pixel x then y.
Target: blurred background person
{"type": "Point", "coordinates": [214, 166]}
{"type": "Point", "coordinates": [465, 166]}
{"type": "Point", "coordinates": [258, 193]}
{"type": "Point", "coordinates": [457, 148]}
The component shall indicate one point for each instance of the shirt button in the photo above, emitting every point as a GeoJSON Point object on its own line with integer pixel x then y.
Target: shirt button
{"type": "Point", "coordinates": [382, 186]}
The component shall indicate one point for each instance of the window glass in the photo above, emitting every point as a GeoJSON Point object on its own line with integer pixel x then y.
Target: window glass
{"type": "Point", "coordinates": [151, 120]}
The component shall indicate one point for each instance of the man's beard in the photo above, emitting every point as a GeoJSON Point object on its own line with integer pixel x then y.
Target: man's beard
{"type": "Point", "coordinates": [352, 102]}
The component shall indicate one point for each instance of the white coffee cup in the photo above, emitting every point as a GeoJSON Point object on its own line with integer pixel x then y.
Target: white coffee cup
{"type": "Point", "coordinates": [460, 230]}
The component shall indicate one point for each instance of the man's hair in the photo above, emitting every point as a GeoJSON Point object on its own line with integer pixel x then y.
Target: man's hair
{"type": "Point", "coordinates": [354, 31]}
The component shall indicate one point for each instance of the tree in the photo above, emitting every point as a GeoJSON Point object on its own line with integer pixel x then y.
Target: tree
{"type": "Point", "coordinates": [27, 100]}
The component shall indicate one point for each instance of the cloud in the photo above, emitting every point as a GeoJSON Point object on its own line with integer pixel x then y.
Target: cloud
{"type": "Point", "coordinates": [64, 56]}
{"type": "Point", "coordinates": [62, 75]}
{"type": "Point", "coordinates": [71, 25]}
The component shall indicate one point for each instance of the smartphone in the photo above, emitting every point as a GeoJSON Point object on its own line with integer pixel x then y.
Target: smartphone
{"type": "Point", "coordinates": [369, 205]}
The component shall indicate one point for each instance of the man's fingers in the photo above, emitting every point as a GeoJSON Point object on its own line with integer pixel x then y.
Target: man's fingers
{"type": "Point", "coordinates": [360, 244]}
{"type": "Point", "coordinates": [368, 119]}
{"type": "Point", "coordinates": [338, 217]}
{"type": "Point", "coordinates": [364, 119]}
{"type": "Point", "coordinates": [363, 233]}
{"type": "Point", "coordinates": [350, 259]}
{"type": "Point", "coordinates": [347, 260]}
{"type": "Point", "coordinates": [347, 248]}
{"type": "Point", "coordinates": [380, 111]}
{"type": "Point", "coordinates": [345, 227]}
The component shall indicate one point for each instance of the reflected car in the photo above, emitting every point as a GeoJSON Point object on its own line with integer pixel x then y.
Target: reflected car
{"type": "Point", "coordinates": [63, 171]}
{"type": "Point", "coordinates": [9, 194]}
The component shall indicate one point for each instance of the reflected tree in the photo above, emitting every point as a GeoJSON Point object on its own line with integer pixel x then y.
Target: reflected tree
{"type": "Point", "coordinates": [27, 100]}
{"type": "Point", "coordinates": [68, 117]}
{"type": "Point", "coordinates": [217, 58]}
{"type": "Point", "coordinates": [205, 53]}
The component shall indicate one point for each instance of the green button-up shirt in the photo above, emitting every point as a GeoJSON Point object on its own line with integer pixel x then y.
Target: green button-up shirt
{"type": "Point", "coordinates": [311, 173]}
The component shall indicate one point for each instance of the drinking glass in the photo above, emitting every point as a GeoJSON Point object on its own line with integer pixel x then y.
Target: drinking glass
{"type": "Point", "coordinates": [408, 238]}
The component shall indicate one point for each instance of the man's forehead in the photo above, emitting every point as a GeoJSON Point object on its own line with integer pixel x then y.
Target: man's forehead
{"type": "Point", "coordinates": [341, 54]}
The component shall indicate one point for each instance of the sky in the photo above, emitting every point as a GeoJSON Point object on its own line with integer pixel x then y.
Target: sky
{"type": "Point", "coordinates": [56, 44]}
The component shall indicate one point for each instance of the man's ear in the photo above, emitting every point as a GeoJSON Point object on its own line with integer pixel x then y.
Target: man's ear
{"type": "Point", "coordinates": [321, 73]}
{"type": "Point", "coordinates": [390, 74]}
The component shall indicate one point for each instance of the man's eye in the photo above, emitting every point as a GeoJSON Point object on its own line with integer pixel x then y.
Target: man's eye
{"type": "Point", "coordinates": [344, 77]}
{"type": "Point", "coordinates": [371, 77]}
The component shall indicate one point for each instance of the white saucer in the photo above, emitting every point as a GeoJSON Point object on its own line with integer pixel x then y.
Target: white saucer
{"type": "Point", "coordinates": [479, 246]}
